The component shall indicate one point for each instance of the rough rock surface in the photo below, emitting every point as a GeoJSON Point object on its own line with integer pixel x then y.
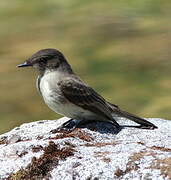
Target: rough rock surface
{"type": "Point", "coordinates": [36, 151]}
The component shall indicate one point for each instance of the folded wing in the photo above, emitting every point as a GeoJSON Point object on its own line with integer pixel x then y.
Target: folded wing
{"type": "Point", "coordinates": [83, 96]}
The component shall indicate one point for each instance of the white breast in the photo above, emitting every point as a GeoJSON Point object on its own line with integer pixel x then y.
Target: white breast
{"type": "Point", "coordinates": [54, 98]}
{"type": "Point", "coordinates": [49, 88]}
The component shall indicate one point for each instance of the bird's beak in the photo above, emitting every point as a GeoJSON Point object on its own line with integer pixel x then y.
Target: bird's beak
{"type": "Point", "coordinates": [25, 64]}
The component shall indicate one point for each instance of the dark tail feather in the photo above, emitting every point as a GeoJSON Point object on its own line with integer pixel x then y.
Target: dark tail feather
{"type": "Point", "coordinates": [132, 117]}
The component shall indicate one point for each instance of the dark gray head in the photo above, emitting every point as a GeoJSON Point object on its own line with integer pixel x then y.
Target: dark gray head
{"type": "Point", "coordinates": [47, 59]}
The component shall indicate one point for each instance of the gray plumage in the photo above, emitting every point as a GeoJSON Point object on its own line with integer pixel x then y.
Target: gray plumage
{"type": "Point", "coordinates": [65, 93]}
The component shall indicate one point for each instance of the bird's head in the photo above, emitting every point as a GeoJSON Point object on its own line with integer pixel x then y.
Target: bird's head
{"type": "Point", "coordinates": [45, 59]}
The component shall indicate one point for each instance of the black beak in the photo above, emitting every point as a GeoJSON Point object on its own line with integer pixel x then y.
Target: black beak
{"type": "Point", "coordinates": [25, 64]}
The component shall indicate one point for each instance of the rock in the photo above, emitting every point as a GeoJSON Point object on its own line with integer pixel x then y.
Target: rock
{"type": "Point", "coordinates": [35, 151]}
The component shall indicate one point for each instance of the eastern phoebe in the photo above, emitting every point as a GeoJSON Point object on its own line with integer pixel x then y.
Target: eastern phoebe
{"type": "Point", "coordinates": [65, 93]}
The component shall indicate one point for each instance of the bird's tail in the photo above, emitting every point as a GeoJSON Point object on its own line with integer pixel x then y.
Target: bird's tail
{"type": "Point", "coordinates": [144, 123]}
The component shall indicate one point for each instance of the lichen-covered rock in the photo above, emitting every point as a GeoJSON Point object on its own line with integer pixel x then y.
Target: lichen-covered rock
{"type": "Point", "coordinates": [97, 151]}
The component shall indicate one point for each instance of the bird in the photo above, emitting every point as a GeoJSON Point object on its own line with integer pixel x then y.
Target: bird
{"type": "Point", "coordinates": [65, 93]}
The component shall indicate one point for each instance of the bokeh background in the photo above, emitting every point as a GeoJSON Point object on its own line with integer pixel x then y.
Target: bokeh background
{"type": "Point", "coordinates": [121, 48]}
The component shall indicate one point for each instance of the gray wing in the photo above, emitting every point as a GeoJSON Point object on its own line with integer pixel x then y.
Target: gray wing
{"type": "Point", "coordinates": [81, 95]}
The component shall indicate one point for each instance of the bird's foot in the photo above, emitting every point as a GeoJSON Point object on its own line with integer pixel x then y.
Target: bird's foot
{"type": "Point", "coordinates": [67, 126]}
{"type": "Point", "coordinates": [71, 124]}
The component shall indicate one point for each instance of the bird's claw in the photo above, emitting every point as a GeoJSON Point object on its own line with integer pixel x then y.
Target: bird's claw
{"type": "Point", "coordinates": [67, 126]}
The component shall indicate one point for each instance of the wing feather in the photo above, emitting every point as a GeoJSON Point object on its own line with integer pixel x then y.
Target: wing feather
{"type": "Point", "coordinates": [85, 97]}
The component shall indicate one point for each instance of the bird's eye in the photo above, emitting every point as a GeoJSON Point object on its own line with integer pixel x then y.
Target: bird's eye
{"type": "Point", "coordinates": [43, 59]}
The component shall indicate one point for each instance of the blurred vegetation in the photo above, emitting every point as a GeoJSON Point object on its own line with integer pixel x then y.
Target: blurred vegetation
{"type": "Point", "coordinates": [121, 48]}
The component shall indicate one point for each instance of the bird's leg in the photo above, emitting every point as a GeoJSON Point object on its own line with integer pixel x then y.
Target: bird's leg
{"type": "Point", "coordinates": [71, 124]}
{"type": "Point", "coordinates": [74, 123]}
{"type": "Point", "coordinates": [67, 126]}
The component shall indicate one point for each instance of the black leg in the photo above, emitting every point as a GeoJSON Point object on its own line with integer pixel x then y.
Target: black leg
{"type": "Point", "coordinates": [71, 124]}
{"type": "Point", "coordinates": [67, 126]}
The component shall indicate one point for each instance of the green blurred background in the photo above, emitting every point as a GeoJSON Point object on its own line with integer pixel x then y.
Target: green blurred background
{"type": "Point", "coordinates": [119, 47]}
